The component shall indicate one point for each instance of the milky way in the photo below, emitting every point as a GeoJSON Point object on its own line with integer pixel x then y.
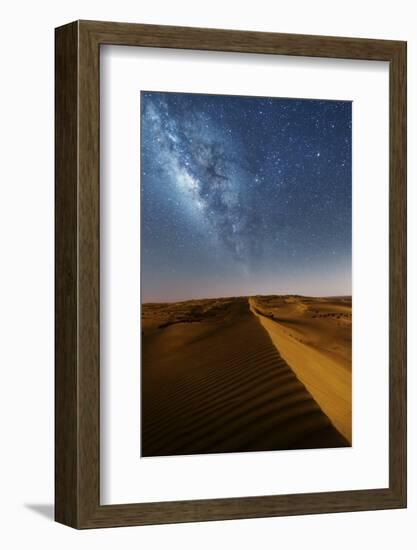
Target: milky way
{"type": "Point", "coordinates": [244, 195]}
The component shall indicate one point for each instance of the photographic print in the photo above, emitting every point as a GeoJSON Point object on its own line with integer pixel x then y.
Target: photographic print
{"type": "Point", "coordinates": [246, 253]}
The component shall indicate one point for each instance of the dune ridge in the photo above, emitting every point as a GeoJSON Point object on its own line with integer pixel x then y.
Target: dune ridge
{"type": "Point", "coordinates": [213, 381]}
{"type": "Point", "coordinates": [314, 337]}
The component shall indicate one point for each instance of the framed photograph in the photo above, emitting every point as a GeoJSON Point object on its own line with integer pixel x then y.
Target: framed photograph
{"type": "Point", "coordinates": [230, 274]}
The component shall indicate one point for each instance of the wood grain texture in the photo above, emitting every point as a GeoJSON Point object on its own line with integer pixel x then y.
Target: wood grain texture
{"type": "Point", "coordinates": [66, 237]}
{"type": "Point", "coordinates": [398, 274]}
{"type": "Point", "coordinates": [78, 286]}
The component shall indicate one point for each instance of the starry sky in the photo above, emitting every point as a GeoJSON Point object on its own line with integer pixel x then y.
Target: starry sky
{"type": "Point", "coordinates": [244, 195]}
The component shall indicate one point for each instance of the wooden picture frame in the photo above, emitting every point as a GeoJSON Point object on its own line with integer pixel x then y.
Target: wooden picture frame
{"type": "Point", "coordinates": [77, 374]}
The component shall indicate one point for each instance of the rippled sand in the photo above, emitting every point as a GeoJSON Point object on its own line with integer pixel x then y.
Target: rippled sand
{"type": "Point", "coordinates": [226, 375]}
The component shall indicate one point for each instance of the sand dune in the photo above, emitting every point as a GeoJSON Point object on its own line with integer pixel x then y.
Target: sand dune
{"type": "Point", "coordinates": [213, 381]}
{"type": "Point", "coordinates": [313, 336]}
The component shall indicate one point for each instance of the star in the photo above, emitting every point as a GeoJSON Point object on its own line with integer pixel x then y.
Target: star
{"type": "Point", "coordinates": [230, 188]}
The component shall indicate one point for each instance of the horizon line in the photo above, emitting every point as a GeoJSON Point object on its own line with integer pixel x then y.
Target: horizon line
{"type": "Point", "coordinates": [244, 296]}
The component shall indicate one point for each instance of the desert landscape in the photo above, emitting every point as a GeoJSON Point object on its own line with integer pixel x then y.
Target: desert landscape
{"type": "Point", "coordinates": [246, 273]}
{"type": "Point", "coordinates": [246, 374]}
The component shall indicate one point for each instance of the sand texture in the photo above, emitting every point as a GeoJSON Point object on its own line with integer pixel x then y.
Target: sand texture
{"type": "Point", "coordinates": [314, 337]}
{"type": "Point", "coordinates": [214, 377]}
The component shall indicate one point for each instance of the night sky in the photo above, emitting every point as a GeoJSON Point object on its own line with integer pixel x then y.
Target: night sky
{"type": "Point", "coordinates": [244, 196]}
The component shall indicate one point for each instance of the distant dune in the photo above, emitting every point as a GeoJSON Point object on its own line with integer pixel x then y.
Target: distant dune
{"type": "Point", "coordinates": [239, 374]}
